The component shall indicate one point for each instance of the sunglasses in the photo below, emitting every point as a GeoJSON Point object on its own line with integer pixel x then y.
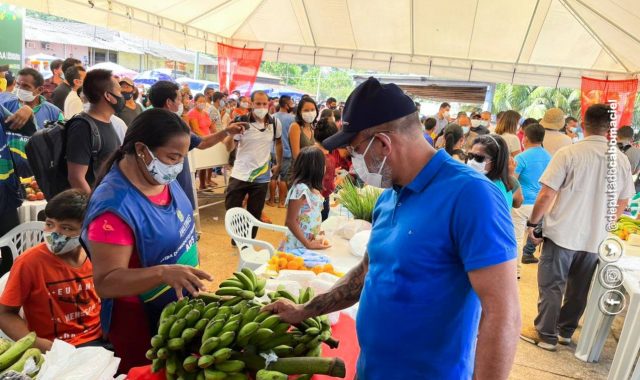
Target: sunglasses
{"type": "Point", "coordinates": [477, 157]}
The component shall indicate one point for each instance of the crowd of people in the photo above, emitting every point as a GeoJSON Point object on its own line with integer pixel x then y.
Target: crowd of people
{"type": "Point", "coordinates": [120, 240]}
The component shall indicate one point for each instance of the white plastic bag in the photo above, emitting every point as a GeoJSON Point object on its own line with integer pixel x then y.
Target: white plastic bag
{"type": "Point", "coordinates": [359, 242]}
{"type": "Point", "coordinates": [65, 362]}
{"type": "Point", "coordinates": [352, 227]}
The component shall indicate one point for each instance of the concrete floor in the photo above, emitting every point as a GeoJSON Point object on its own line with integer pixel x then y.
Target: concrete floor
{"type": "Point", "coordinates": [220, 259]}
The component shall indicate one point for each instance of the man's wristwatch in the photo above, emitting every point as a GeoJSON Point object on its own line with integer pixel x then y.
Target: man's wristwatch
{"type": "Point", "coordinates": [532, 225]}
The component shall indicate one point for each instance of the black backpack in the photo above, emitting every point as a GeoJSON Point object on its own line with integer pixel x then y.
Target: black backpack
{"type": "Point", "coordinates": [46, 153]}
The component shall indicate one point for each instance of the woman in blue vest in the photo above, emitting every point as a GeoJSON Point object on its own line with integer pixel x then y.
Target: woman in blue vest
{"type": "Point", "coordinates": [140, 233]}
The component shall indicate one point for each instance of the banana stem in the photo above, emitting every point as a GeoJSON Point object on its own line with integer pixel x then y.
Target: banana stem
{"type": "Point", "coordinates": [332, 343]}
{"type": "Point", "coordinates": [293, 366]}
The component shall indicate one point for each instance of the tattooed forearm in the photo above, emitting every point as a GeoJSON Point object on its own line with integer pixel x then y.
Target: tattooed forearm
{"type": "Point", "coordinates": [345, 293]}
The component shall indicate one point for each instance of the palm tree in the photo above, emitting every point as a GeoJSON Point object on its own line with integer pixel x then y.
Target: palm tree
{"type": "Point", "coordinates": [532, 101]}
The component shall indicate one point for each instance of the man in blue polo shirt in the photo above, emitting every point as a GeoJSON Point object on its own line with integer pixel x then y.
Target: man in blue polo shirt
{"type": "Point", "coordinates": [29, 87]}
{"type": "Point", "coordinates": [437, 288]}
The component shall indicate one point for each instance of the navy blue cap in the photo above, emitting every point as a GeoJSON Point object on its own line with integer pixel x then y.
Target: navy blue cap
{"type": "Point", "coordinates": [369, 105]}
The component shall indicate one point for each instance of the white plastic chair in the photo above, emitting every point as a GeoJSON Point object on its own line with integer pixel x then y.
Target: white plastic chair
{"type": "Point", "coordinates": [23, 237]}
{"type": "Point", "coordinates": [239, 223]}
{"type": "Point", "coordinates": [3, 284]}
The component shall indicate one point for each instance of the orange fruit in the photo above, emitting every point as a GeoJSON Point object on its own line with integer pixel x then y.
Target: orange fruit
{"type": "Point", "coordinates": [317, 269]}
{"type": "Point", "coordinates": [328, 268]}
{"type": "Point", "coordinates": [282, 263]}
{"type": "Point", "coordinates": [293, 265]}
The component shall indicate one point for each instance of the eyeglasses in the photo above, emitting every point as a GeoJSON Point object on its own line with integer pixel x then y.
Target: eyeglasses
{"type": "Point", "coordinates": [352, 149]}
{"type": "Point", "coordinates": [477, 157]}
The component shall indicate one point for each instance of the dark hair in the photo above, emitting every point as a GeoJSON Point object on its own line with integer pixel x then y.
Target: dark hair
{"type": "Point", "coordinates": [326, 113]}
{"type": "Point", "coordinates": [570, 119]}
{"type": "Point", "coordinates": [161, 91]}
{"type": "Point", "coordinates": [198, 96]}
{"type": "Point", "coordinates": [597, 118]}
{"type": "Point", "coordinates": [11, 79]}
{"type": "Point", "coordinates": [325, 128]}
{"type": "Point", "coordinates": [305, 99]}
{"type": "Point", "coordinates": [309, 168]}
{"type": "Point", "coordinates": [337, 114]}
{"type": "Point", "coordinates": [534, 133]}
{"type": "Point", "coordinates": [508, 123]}
{"type": "Point", "coordinates": [73, 73]}
{"type": "Point", "coordinates": [68, 63]}
{"type": "Point", "coordinates": [452, 134]}
{"type": "Point", "coordinates": [444, 105]}
{"type": "Point", "coordinates": [55, 64]}
{"type": "Point", "coordinates": [528, 122]}
{"type": "Point", "coordinates": [153, 127]}
{"type": "Point", "coordinates": [430, 123]}
{"type": "Point", "coordinates": [37, 77]}
{"type": "Point", "coordinates": [284, 100]}
{"type": "Point", "coordinates": [499, 155]}
{"type": "Point", "coordinates": [96, 83]}
{"type": "Point", "coordinates": [217, 96]}
{"type": "Point", "coordinates": [626, 132]}
{"type": "Point", "coordinates": [208, 88]}
{"type": "Point", "coordinates": [331, 100]}
{"type": "Point", "coordinates": [68, 205]}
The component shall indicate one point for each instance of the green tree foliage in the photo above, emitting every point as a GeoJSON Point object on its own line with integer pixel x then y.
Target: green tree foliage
{"type": "Point", "coordinates": [332, 82]}
{"type": "Point", "coordinates": [532, 101]}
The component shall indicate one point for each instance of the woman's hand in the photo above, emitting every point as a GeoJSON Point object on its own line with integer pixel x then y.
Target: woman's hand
{"type": "Point", "coordinates": [318, 244]}
{"type": "Point", "coordinates": [181, 277]}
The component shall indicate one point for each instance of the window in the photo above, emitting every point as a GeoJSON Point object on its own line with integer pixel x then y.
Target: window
{"type": "Point", "coordinates": [101, 55]}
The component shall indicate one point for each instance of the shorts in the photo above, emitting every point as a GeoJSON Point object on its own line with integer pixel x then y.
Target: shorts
{"type": "Point", "coordinates": [284, 169]}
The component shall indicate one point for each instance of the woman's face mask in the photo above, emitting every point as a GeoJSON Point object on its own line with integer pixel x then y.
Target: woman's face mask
{"type": "Point", "coordinates": [161, 172]}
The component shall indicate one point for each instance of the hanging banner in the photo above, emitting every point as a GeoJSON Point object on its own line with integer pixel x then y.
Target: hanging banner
{"type": "Point", "coordinates": [11, 18]}
{"type": "Point", "coordinates": [238, 68]}
{"type": "Point", "coordinates": [623, 92]}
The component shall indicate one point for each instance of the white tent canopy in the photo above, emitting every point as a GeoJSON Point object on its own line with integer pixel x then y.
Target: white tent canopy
{"type": "Point", "coordinates": [536, 42]}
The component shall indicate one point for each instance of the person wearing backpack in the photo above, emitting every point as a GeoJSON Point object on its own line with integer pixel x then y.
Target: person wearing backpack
{"type": "Point", "coordinates": [103, 92]}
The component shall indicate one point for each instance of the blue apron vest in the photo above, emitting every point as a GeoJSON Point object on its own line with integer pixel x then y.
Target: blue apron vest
{"type": "Point", "coordinates": [163, 234]}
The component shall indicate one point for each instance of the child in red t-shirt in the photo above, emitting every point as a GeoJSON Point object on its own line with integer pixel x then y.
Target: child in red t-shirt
{"type": "Point", "coordinates": [326, 128]}
{"type": "Point", "coordinates": [53, 282]}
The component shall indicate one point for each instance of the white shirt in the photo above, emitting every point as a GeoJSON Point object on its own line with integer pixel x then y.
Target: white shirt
{"type": "Point", "coordinates": [554, 140]}
{"type": "Point", "coordinates": [578, 172]}
{"type": "Point", "coordinates": [512, 142]}
{"type": "Point", "coordinates": [120, 127]}
{"type": "Point", "coordinates": [254, 152]}
{"type": "Point", "coordinates": [72, 105]}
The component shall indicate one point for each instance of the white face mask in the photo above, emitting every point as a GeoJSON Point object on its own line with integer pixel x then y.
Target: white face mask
{"type": "Point", "coordinates": [60, 244]}
{"type": "Point", "coordinates": [180, 109]}
{"type": "Point", "coordinates": [201, 106]}
{"type": "Point", "coordinates": [361, 169]}
{"type": "Point", "coordinates": [476, 123]}
{"type": "Point", "coordinates": [244, 105]}
{"type": "Point", "coordinates": [85, 107]}
{"type": "Point", "coordinates": [222, 103]}
{"type": "Point", "coordinates": [484, 123]}
{"type": "Point", "coordinates": [260, 113]}
{"type": "Point", "coordinates": [309, 116]}
{"type": "Point", "coordinates": [465, 130]}
{"type": "Point", "coordinates": [161, 172]}
{"type": "Point", "coordinates": [25, 96]}
{"type": "Point", "coordinates": [445, 114]}
{"type": "Point", "coordinates": [478, 166]}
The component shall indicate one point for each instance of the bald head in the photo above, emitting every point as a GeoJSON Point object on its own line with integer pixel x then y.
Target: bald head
{"type": "Point", "coordinates": [464, 121]}
{"type": "Point", "coordinates": [486, 115]}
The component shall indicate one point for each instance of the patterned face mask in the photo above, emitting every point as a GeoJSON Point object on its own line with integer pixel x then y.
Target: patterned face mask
{"type": "Point", "coordinates": [60, 244]}
{"type": "Point", "coordinates": [161, 172]}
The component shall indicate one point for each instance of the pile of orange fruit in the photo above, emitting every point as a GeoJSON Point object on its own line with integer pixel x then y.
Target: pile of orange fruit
{"type": "Point", "coordinates": [282, 260]}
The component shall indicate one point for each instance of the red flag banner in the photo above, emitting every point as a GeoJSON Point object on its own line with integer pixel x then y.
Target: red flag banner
{"type": "Point", "coordinates": [238, 68]}
{"type": "Point", "coordinates": [623, 92]}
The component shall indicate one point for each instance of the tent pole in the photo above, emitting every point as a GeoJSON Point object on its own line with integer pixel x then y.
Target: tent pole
{"type": "Point", "coordinates": [196, 65]}
{"type": "Point", "coordinates": [526, 36]}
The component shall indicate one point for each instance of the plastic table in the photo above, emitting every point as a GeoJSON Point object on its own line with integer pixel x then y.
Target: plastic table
{"type": "Point", "coordinates": [28, 211]}
{"type": "Point", "coordinates": [597, 324]}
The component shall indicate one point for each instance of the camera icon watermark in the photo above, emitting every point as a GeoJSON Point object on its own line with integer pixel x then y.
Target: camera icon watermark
{"type": "Point", "coordinates": [611, 276]}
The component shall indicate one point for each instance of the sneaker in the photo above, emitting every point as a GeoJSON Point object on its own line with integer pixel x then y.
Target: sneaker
{"type": "Point", "coordinates": [529, 259]}
{"type": "Point", "coordinates": [531, 336]}
{"type": "Point", "coordinates": [564, 341]}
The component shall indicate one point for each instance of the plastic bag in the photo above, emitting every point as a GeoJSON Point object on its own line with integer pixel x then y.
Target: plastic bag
{"type": "Point", "coordinates": [352, 227]}
{"type": "Point", "coordinates": [359, 242]}
{"type": "Point", "coordinates": [65, 362]}
{"type": "Point", "coordinates": [311, 258]}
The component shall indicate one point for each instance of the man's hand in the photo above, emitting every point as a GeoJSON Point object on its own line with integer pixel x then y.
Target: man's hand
{"type": "Point", "coordinates": [275, 170]}
{"type": "Point", "coordinates": [288, 311]}
{"type": "Point", "coordinates": [512, 166]}
{"type": "Point", "coordinates": [235, 129]}
{"type": "Point", "coordinates": [20, 118]}
{"type": "Point", "coordinates": [536, 241]}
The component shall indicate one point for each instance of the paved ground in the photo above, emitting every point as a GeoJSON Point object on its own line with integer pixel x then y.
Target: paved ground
{"type": "Point", "coordinates": [532, 363]}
